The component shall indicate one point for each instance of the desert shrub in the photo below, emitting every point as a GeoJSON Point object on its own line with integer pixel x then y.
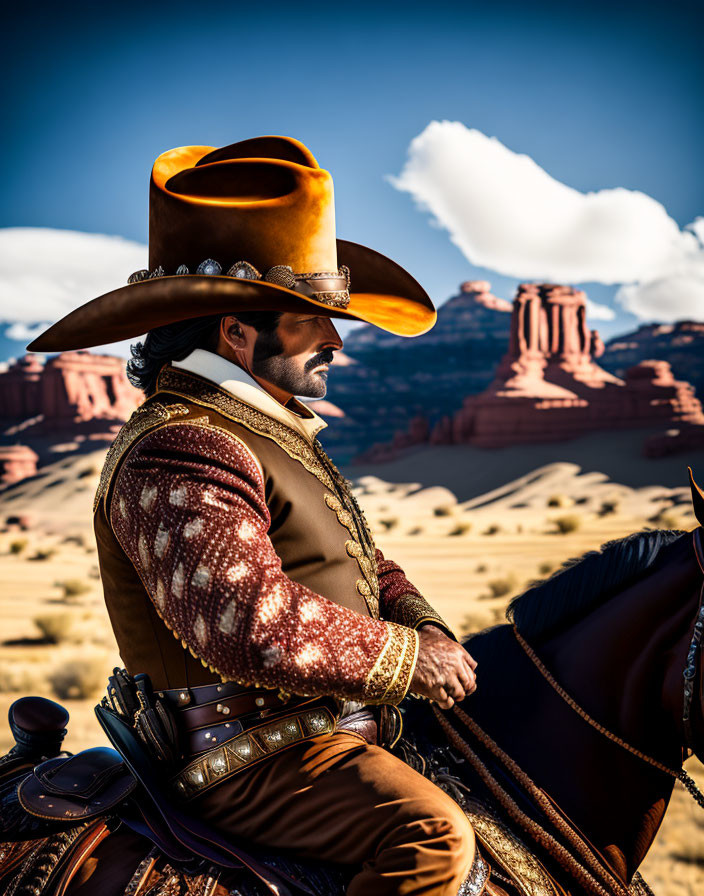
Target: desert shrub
{"type": "Point", "coordinates": [43, 554]}
{"type": "Point", "coordinates": [481, 568]}
{"type": "Point", "coordinates": [17, 545]}
{"type": "Point", "coordinates": [15, 680]}
{"type": "Point", "coordinates": [475, 621]}
{"type": "Point", "coordinates": [665, 520]}
{"type": "Point", "coordinates": [569, 523]}
{"type": "Point", "coordinates": [78, 679]}
{"type": "Point", "coordinates": [55, 627]}
{"type": "Point", "coordinates": [88, 471]}
{"type": "Point", "coordinates": [416, 530]}
{"type": "Point", "coordinates": [608, 507]}
{"type": "Point", "coordinates": [443, 510]}
{"type": "Point", "coordinates": [493, 529]}
{"type": "Point", "coordinates": [73, 587]}
{"type": "Point", "coordinates": [544, 569]}
{"type": "Point", "coordinates": [502, 587]}
{"type": "Point", "coordinates": [79, 540]}
{"type": "Point", "coordinates": [389, 523]}
{"type": "Point", "coordinates": [560, 501]}
{"type": "Point", "coordinates": [461, 529]}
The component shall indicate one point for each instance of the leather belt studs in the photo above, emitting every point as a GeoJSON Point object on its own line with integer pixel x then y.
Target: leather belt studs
{"type": "Point", "coordinates": [245, 749]}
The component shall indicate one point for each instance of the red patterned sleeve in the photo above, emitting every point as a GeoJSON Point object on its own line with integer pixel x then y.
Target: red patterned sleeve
{"type": "Point", "coordinates": [189, 510]}
{"type": "Point", "coordinates": [400, 601]}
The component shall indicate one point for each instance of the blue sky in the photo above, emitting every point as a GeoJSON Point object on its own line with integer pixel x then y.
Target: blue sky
{"type": "Point", "coordinates": [598, 95]}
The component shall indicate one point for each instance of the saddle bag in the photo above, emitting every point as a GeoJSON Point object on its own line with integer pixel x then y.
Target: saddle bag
{"type": "Point", "coordinates": [77, 788]}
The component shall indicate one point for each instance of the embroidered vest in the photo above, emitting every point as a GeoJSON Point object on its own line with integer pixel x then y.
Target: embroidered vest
{"type": "Point", "coordinates": [317, 528]}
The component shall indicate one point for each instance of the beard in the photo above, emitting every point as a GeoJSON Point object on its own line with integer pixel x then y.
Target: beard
{"type": "Point", "coordinates": [269, 363]}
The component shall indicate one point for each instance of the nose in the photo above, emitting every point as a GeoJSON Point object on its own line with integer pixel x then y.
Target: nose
{"type": "Point", "coordinates": [332, 338]}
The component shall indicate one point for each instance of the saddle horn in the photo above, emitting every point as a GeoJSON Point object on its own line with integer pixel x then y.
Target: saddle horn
{"type": "Point", "coordinates": [697, 498]}
{"type": "Point", "coordinates": [38, 726]}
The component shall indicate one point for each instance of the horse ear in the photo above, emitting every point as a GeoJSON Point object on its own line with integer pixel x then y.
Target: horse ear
{"type": "Point", "coordinates": [697, 498]}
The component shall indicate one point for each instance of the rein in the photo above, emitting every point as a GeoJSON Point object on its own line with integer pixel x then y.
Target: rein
{"type": "Point", "coordinates": [689, 676]}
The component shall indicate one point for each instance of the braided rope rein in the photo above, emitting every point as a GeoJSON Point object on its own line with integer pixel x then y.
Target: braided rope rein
{"type": "Point", "coordinates": [596, 880]}
{"type": "Point", "coordinates": [680, 775]}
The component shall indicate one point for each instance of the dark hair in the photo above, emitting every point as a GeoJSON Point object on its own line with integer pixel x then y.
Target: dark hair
{"type": "Point", "coordinates": [174, 342]}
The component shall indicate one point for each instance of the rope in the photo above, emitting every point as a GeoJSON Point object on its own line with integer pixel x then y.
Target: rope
{"type": "Point", "coordinates": [680, 775]}
{"type": "Point", "coordinates": [587, 880]}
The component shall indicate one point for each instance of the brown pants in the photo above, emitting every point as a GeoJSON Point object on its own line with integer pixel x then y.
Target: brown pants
{"type": "Point", "coordinates": [338, 798]}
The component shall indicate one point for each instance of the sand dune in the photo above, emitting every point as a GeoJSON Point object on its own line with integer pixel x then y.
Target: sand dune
{"type": "Point", "coordinates": [471, 528]}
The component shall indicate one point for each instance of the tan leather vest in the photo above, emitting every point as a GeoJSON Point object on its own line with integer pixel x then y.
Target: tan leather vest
{"type": "Point", "coordinates": [317, 528]}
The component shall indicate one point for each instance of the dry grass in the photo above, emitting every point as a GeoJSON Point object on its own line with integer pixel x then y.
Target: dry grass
{"type": "Point", "coordinates": [569, 523]}
{"type": "Point", "coordinates": [666, 520]}
{"type": "Point", "coordinates": [18, 679]}
{"type": "Point", "coordinates": [609, 507]}
{"type": "Point", "coordinates": [43, 554]}
{"type": "Point", "coordinates": [73, 587]}
{"type": "Point", "coordinates": [461, 529]}
{"type": "Point", "coordinates": [560, 501]}
{"type": "Point", "coordinates": [55, 627]}
{"type": "Point", "coordinates": [443, 510]}
{"type": "Point", "coordinates": [477, 620]}
{"type": "Point", "coordinates": [78, 679]}
{"type": "Point", "coordinates": [502, 587]}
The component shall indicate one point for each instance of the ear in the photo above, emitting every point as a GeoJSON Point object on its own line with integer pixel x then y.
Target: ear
{"type": "Point", "coordinates": [233, 333]}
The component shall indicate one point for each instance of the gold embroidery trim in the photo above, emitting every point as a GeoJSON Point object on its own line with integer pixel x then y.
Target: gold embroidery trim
{"type": "Point", "coordinates": [390, 677]}
{"type": "Point", "coordinates": [198, 390]}
{"type": "Point", "coordinates": [504, 848]}
{"type": "Point", "coordinates": [142, 420]}
{"type": "Point", "coordinates": [412, 610]}
{"type": "Point", "coordinates": [311, 456]}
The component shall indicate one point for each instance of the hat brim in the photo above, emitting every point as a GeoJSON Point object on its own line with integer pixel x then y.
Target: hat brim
{"type": "Point", "coordinates": [384, 294]}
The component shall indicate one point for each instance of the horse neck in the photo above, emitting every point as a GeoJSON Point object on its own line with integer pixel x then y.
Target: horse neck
{"type": "Point", "coordinates": [623, 664]}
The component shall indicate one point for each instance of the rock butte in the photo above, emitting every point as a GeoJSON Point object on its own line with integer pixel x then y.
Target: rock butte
{"type": "Point", "coordinates": [74, 396]}
{"type": "Point", "coordinates": [548, 387]}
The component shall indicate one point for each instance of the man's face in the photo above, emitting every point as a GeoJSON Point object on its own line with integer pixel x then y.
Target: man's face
{"type": "Point", "coordinates": [295, 357]}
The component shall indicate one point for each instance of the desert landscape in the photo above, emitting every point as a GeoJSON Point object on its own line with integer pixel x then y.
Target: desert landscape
{"type": "Point", "coordinates": [492, 523]}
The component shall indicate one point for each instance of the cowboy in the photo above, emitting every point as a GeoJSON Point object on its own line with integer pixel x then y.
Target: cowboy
{"type": "Point", "coordinates": [239, 572]}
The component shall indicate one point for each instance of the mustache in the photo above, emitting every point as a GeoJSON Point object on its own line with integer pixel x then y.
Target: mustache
{"type": "Point", "coordinates": [324, 357]}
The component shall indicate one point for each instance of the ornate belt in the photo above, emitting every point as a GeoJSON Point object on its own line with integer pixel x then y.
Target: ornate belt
{"type": "Point", "coordinates": [249, 747]}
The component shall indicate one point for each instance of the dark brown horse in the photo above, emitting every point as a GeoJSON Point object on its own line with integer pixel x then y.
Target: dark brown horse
{"type": "Point", "coordinates": [574, 736]}
{"type": "Point", "coordinates": [613, 632]}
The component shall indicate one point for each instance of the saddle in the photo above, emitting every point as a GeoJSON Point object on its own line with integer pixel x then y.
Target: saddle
{"type": "Point", "coordinates": [64, 791]}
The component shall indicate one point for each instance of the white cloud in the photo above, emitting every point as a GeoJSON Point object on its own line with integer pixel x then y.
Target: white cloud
{"type": "Point", "coordinates": [45, 273]}
{"type": "Point", "coordinates": [595, 311]}
{"type": "Point", "coordinates": [25, 332]}
{"type": "Point", "coordinates": [507, 214]}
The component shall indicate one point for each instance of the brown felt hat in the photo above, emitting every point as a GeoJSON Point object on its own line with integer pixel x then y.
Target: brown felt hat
{"type": "Point", "coordinates": [249, 227]}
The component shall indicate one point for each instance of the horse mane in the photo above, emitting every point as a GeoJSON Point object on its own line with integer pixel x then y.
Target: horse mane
{"type": "Point", "coordinates": [584, 583]}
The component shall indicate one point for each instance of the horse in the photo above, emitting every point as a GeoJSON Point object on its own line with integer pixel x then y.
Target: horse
{"type": "Point", "coordinates": [590, 699]}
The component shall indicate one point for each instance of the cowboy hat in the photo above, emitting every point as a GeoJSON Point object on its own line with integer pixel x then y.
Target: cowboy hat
{"type": "Point", "coordinates": [249, 227]}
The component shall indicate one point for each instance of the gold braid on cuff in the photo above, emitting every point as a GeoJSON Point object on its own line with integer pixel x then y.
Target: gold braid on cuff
{"type": "Point", "coordinates": [390, 676]}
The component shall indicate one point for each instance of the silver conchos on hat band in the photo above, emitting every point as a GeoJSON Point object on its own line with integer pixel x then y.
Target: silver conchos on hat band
{"type": "Point", "coordinates": [328, 287]}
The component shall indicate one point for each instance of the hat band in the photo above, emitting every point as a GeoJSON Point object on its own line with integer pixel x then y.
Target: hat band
{"type": "Point", "coordinates": [329, 287]}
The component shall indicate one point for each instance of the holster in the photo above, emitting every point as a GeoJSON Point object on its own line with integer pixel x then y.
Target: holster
{"type": "Point", "coordinates": [133, 699]}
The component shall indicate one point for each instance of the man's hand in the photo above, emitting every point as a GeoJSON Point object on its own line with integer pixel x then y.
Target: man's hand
{"type": "Point", "coordinates": [444, 671]}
